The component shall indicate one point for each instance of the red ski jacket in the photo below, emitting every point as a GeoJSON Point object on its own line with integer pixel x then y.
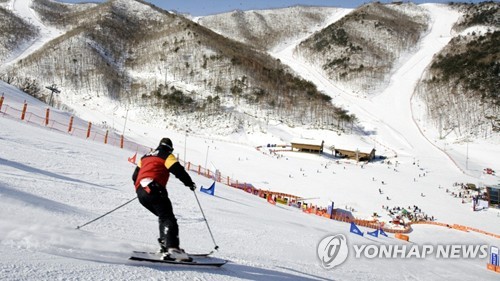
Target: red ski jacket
{"type": "Point", "coordinates": [157, 165]}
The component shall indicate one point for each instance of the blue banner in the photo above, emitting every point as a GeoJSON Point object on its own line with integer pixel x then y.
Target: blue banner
{"type": "Point", "coordinates": [373, 233]}
{"type": "Point", "coordinates": [355, 229]}
{"type": "Point", "coordinates": [210, 190]}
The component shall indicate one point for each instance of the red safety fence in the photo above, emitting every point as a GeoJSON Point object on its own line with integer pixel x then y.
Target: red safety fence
{"type": "Point", "coordinates": [73, 126]}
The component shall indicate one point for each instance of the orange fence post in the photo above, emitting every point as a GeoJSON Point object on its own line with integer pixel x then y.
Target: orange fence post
{"type": "Point", "coordinates": [121, 141]}
{"type": "Point", "coordinates": [199, 169]}
{"type": "Point", "coordinates": [402, 236]}
{"type": "Point", "coordinates": [70, 127]}
{"type": "Point", "coordinates": [188, 165]}
{"type": "Point", "coordinates": [47, 112]}
{"type": "Point", "coordinates": [1, 102]}
{"type": "Point", "coordinates": [88, 129]}
{"type": "Point", "coordinates": [23, 114]}
{"type": "Point", "coordinates": [106, 137]}
{"type": "Point", "coordinates": [490, 266]}
{"type": "Point", "coordinates": [228, 180]}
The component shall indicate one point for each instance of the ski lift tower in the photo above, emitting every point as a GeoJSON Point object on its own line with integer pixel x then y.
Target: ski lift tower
{"type": "Point", "coordinates": [53, 90]}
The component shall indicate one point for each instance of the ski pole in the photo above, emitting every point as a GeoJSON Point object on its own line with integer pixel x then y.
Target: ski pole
{"type": "Point", "coordinates": [78, 227]}
{"type": "Point", "coordinates": [209, 230]}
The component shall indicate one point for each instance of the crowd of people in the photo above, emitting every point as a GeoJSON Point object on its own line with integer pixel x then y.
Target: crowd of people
{"type": "Point", "coordinates": [466, 192]}
{"type": "Point", "coordinates": [403, 216]}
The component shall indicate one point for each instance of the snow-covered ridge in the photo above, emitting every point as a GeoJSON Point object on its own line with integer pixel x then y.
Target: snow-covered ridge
{"type": "Point", "coordinates": [266, 29]}
{"type": "Point", "coordinates": [137, 9]}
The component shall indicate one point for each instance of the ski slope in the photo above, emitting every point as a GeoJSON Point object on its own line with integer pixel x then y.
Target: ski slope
{"type": "Point", "coordinates": [377, 113]}
{"type": "Point", "coordinates": [52, 182]}
{"type": "Point", "coordinates": [402, 137]}
{"type": "Point", "coordinates": [22, 8]}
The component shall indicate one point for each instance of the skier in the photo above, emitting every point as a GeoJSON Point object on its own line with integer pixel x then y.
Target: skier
{"type": "Point", "coordinates": [150, 178]}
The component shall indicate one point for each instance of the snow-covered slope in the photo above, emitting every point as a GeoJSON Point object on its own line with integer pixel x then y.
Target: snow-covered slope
{"type": "Point", "coordinates": [268, 29]}
{"type": "Point", "coordinates": [22, 9]}
{"type": "Point", "coordinates": [390, 136]}
{"type": "Point", "coordinates": [377, 114]}
{"type": "Point", "coordinates": [52, 182]}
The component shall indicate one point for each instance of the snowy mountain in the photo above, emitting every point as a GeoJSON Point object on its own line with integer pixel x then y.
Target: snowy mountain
{"type": "Point", "coordinates": [12, 40]}
{"type": "Point", "coordinates": [53, 181]}
{"type": "Point", "coordinates": [167, 65]}
{"type": "Point", "coordinates": [132, 54]}
{"type": "Point", "coordinates": [360, 50]}
{"type": "Point", "coordinates": [248, 86]}
{"type": "Point", "coordinates": [363, 47]}
{"type": "Point", "coordinates": [269, 28]}
{"type": "Point", "coordinates": [466, 72]}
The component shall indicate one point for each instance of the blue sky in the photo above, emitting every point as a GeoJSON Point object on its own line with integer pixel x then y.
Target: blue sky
{"type": "Point", "coordinates": [208, 7]}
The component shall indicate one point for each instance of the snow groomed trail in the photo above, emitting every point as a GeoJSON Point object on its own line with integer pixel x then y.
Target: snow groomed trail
{"type": "Point", "coordinates": [400, 134]}
{"type": "Point", "coordinates": [22, 8]}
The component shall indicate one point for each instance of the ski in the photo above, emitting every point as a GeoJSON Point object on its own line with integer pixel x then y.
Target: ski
{"type": "Point", "coordinates": [195, 262]}
{"type": "Point", "coordinates": [159, 254]}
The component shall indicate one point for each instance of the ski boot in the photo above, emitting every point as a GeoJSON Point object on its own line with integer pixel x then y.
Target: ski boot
{"type": "Point", "coordinates": [163, 249]}
{"type": "Point", "coordinates": [176, 254]}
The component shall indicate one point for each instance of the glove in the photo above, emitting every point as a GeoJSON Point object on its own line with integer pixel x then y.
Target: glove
{"type": "Point", "coordinates": [192, 186]}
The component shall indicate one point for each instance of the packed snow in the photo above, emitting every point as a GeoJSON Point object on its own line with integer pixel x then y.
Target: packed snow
{"type": "Point", "coordinates": [53, 182]}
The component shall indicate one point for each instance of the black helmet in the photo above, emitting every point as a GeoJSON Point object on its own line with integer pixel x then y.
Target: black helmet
{"type": "Point", "coordinates": [167, 142]}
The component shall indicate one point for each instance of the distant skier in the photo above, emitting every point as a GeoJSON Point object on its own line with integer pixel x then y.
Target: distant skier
{"type": "Point", "coordinates": [150, 178]}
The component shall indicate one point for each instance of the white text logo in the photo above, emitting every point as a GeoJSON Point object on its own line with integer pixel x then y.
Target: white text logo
{"type": "Point", "coordinates": [333, 251]}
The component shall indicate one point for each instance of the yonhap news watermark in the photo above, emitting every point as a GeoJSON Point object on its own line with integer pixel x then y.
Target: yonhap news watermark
{"type": "Point", "coordinates": [421, 251]}
{"type": "Point", "coordinates": [334, 250]}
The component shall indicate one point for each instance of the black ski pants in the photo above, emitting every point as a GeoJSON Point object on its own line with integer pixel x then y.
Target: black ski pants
{"type": "Point", "coordinates": [158, 203]}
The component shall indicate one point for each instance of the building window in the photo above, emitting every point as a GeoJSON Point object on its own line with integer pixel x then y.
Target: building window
{"type": "Point", "coordinates": [494, 194]}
